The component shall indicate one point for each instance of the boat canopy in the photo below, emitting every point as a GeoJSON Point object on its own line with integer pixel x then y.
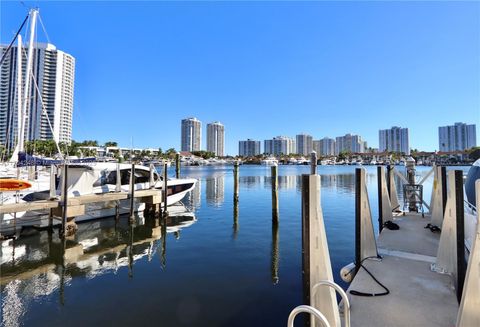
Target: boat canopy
{"type": "Point", "coordinates": [25, 160]}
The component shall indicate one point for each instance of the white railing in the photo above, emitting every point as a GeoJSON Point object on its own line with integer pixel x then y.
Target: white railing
{"type": "Point", "coordinates": [311, 310]}
{"type": "Point", "coordinates": [307, 309]}
{"type": "Point", "coordinates": [340, 291]}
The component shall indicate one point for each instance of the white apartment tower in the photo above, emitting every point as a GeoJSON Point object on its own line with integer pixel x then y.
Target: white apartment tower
{"type": "Point", "coordinates": [304, 144]}
{"type": "Point", "coordinates": [54, 74]}
{"type": "Point", "coordinates": [249, 148]}
{"type": "Point", "coordinates": [457, 137]}
{"type": "Point", "coordinates": [324, 147]}
{"type": "Point", "coordinates": [350, 143]}
{"type": "Point", "coordinates": [394, 139]}
{"type": "Point", "coordinates": [191, 134]}
{"type": "Point", "coordinates": [216, 138]}
{"type": "Point", "coordinates": [279, 145]}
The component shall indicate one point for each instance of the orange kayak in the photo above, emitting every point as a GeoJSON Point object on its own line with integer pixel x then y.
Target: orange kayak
{"type": "Point", "coordinates": [13, 185]}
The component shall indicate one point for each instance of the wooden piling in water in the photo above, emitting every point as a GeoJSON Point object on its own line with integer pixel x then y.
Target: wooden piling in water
{"type": "Point", "coordinates": [389, 176]}
{"type": "Point", "coordinates": [306, 240]}
{"type": "Point", "coordinates": [274, 173]}
{"type": "Point", "coordinates": [236, 182]}
{"type": "Point", "coordinates": [165, 190]}
{"type": "Point", "coordinates": [313, 163]}
{"type": "Point", "coordinates": [53, 194]}
{"type": "Point", "coordinates": [65, 201]}
{"type": "Point", "coordinates": [460, 231]}
{"type": "Point", "coordinates": [177, 165]}
{"type": "Point", "coordinates": [443, 172]}
{"type": "Point", "coordinates": [380, 203]}
{"type": "Point", "coordinates": [358, 218]}
{"type": "Point", "coordinates": [132, 192]}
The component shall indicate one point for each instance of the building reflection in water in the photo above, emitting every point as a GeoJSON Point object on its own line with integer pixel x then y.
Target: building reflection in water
{"type": "Point", "coordinates": [286, 182]}
{"type": "Point", "coordinates": [39, 264]}
{"type": "Point", "coordinates": [194, 198]}
{"type": "Point", "coordinates": [250, 181]}
{"type": "Point", "coordinates": [215, 189]}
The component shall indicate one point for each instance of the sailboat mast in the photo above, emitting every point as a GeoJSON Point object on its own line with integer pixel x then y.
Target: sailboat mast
{"type": "Point", "coordinates": [19, 89]}
{"type": "Point", "coordinates": [33, 20]}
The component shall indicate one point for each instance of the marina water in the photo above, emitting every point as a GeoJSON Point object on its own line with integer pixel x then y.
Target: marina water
{"type": "Point", "coordinates": [225, 267]}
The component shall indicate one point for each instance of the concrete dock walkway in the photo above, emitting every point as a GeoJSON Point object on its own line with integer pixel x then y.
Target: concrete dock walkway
{"type": "Point", "coordinates": [418, 296]}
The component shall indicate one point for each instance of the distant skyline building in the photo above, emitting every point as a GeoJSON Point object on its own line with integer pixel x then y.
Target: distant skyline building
{"type": "Point", "coordinates": [279, 145]}
{"type": "Point", "coordinates": [304, 143]}
{"type": "Point", "coordinates": [325, 147]}
{"type": "Point", "coordinates": [54, 73]}
{"type": "Point", "coordinates": [249, 148]}
{"type": "Point", "coordinates": [395, 139]}
{"type": "Point", "coordinates": [349, 143]}
{"type": "Point", "coordinates": [457, 137]}
{"type": "Point", "coordinates": [216, 138]}
{"type": "Point", "coordinates": [191, 134]}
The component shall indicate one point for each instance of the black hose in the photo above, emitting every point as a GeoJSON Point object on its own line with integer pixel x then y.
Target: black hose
{"type": "Point", "coordinates": [358, 293]}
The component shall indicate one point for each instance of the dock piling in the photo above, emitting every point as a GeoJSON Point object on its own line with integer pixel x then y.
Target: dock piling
{"type": "Point", "coordinates": [152, 176]}
{"type": "Point", "coordinates": [380, 198]}
{"type": "Point", "coordinates": [436, 203]}
{"type": "Point", "coordinates": [460, 231]}
{"type": "Point", "coordinates": [365, 244]}
{"type": "Point", "coordinates": [63, 231]}
{"type": "Point", "coordinates": [313, 163]}
{"type": "Point", "coordinates": [446, 261]}
{"type": "Point", "coordinates": [443, 172]}
{"type": "Point", "coordinates": [316, 264]}
{"type": "Point", "coordinates": [468, 313]}
{"type": "Point", "coordinates": [274, 173]}
{"type": "Point", "coordinates": [236, 182]}
{"type": "Point", "coordinates": [177, 165]}
{"type": "Point", "coordinates": [165, 190]}
{"type": "Point", "coordinates": [132, 192]}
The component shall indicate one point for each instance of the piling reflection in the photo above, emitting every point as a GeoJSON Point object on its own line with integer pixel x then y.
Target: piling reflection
{"type": "Point", "coordinates": [42, 263]}
{"type": "Point", "coordinates": [275, 257]}
{"type": "Point", "coordinates": [235, 218]}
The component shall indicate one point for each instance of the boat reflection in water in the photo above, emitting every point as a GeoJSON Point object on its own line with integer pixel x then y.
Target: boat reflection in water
{"type": "Point", "coordinates": [42, 263]}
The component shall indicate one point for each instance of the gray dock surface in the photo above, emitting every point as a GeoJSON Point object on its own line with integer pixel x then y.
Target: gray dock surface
{"type": "Point", "coordinates": [418, 296]}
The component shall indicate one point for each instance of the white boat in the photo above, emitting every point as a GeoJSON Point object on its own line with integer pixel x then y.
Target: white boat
{"type": "Point", "coordinates": [270, 161]}
{"type": "Point", "coordinates": [302, 161]}
{"type": "Point", "coordinates": [98, 178]}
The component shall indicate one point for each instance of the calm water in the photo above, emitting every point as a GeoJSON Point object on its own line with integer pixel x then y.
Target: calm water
{"type": "Point", "coordinates": [210, 265]}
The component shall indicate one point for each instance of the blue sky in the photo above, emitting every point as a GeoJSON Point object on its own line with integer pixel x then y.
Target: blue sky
{"type": "Point", "coordinates": [265, 68]}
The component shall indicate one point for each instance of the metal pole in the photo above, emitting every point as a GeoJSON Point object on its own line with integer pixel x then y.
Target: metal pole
{"type": "Point", "coordinates": [460, 213]}
{"type": "Point", "coordinates": [65, 201]}
{"type": "Point", "coordinates": [313, 163]}
{"type": "Point", "coordinates": [132, 192]}
{"type": "Point", "coordinates": [165, 190]}
{"type": "Point", "coordinates": [177, 165]}
{"type": "Point", "coordinates": [358, 217]}
{"type": "Point", "coordinates": [443, 173]}
{"type": "Point", "coordinates": [26, 91]}
{"type": "Point", "coordinates": [380, 203]}
{"type": "Point", "coordinates": [306, 240]}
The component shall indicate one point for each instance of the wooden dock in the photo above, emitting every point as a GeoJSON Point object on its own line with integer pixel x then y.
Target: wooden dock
{"type": "Point", "coordinates": [146, 195]}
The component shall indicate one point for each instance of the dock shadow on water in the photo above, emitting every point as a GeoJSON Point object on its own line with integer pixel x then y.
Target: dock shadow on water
{"type": "Point", "coordinates": [221, 259]}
